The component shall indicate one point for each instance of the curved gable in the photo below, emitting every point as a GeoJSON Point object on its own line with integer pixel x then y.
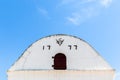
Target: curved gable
{"type": "Point", "coordinates": [79, 55]}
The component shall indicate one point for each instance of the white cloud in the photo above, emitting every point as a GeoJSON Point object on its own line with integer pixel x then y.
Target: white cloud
{"type": "Point", "coordinates": [66, 2]}
{"type": "Point", "coordinates": [79, 10]}
{"type": "Point", "coordinates": [43, 12]}
{"type": "Point", "coordinates": [75, 1]}
{"type": "Point", "coordinates": [106, 3]}
{"type": "Point", "coordinates": [75, 11]}
{"type": "Point", "coordinates": [78, 17]}
{"type": "Point", "coordinates": [117, 76]}
{"type": "Point", "coordinates": [74, 19]}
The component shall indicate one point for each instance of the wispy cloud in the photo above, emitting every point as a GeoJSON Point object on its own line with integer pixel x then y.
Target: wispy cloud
{"type": "Point", "coordinates": [66, 1]}
{"type": "Point", "coordinates": [117, 76]}
{"type": "Point", "coordinates": [43, 12]}
{"type": "Point", "coordinates": [75, 19]}
{"type": "Point", "coordinates": [79, 10]}
{"type": "Point", "coordinates": [106, 3]}
{"type": "Point", "coordinates": [75, 11]}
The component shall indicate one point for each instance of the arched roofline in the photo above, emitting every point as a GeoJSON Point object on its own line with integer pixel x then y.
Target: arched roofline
{"type": "Point", "coordinates": [57, 35]}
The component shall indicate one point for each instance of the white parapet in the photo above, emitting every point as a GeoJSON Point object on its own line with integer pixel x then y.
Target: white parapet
{"type": "Point", "coordinates": [61, 75]}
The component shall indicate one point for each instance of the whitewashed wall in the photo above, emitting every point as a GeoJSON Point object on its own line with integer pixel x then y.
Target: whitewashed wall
{"type": "Point", "coordinates": [84, 58]}
{"type": "Point", "coordinates": [61, 75]}
{"type": "Point", "coordinates": [83, 62]}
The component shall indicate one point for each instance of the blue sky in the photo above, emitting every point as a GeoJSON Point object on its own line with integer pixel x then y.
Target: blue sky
{"type": "Point", "coordinates": [22, 22]}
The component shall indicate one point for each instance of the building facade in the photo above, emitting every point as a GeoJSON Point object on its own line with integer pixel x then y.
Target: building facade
{"type": "Point", "coordinates": [60, 57]}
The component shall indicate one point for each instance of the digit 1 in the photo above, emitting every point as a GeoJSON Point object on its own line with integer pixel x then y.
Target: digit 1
{"type": "Point", "coordinates": [43, 47]}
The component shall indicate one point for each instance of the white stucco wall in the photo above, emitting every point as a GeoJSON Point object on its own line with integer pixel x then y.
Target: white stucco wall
{"type": "Point", "coordinates": [61, 75]}
{"type": "Point", "coordinates": [83, 63]}
{"type": "Point", "coordinates": [84, 58]}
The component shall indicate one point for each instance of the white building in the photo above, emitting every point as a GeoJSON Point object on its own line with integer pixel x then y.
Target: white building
{"type": "Point", "coordinates": [60, 57]}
